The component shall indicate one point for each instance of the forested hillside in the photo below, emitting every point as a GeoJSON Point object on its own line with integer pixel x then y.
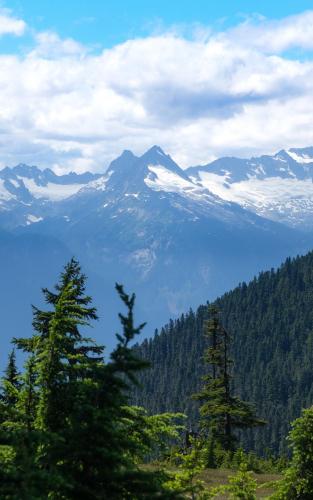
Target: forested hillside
{"type": "Point", "coordinates": [67, 429]}
{"type": "Point", "coordinates": [271, 324]}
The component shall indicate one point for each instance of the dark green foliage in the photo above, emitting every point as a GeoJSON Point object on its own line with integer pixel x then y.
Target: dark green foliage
{"type": "Point", "coordinates": [298, 478]}
{"type": "Point", "coordinates": [271, 324]}
{"type": "Point", "coordinates": [221, 412]}
{"type": "Point", "coordinates": [70, 433]}
{"type": "Point", "coordinates": [186, 479]}
{"type": "Point", "coordinates": [11, 382]}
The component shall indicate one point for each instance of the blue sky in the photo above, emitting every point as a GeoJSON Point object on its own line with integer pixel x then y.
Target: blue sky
{"type": "Point", "coordinates": [81, 81]}
{"type": "Point", "coordinates": [106, 23]}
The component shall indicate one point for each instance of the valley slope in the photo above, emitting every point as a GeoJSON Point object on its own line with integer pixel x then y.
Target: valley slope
{"type": "Point", "coordinates": [270, 321]}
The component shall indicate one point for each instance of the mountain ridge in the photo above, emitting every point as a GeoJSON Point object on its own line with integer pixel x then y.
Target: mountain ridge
{"type": "Point", "coordinates": [149, 225]}
{"type": "Point", "coordinates": [277, 187]}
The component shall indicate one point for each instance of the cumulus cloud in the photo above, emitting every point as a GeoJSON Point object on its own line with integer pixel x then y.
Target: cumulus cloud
{"type": "Point", "coordinates": [10, 25]}
{"type": "Point", "coordinates": [276, 36]}
{"type": "Point", "coordinates": [234, 92]}
{"type": "Point", "coordinates": [50, 45]}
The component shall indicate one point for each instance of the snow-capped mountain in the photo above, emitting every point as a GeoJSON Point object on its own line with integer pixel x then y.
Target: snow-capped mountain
{"type": "Point", "coordinates": [131, 184]}
{"type": "Point", "coordinates": [277, 187]}
{"type": "Point", "coordinates": [166, 233]}
{"type": "Point", "coordinates": [27, 193]}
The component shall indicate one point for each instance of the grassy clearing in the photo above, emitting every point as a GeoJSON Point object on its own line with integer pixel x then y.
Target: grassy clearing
{"type": "Point", "coordinates": [217, 477]}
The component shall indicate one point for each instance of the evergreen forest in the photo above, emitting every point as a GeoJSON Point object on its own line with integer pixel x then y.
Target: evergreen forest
{"type": "Point", "coordinates": [200, 411]}
{"type": "Point", "coordinates": [270, 321]}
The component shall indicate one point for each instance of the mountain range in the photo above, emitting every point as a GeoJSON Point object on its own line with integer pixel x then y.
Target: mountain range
{"type": "Point", "coordinates": [176, 237]}
{"type": "Point", "coordinates": [277, 187]}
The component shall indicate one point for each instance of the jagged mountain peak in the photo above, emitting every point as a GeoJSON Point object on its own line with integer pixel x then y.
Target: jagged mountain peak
{"type": "Point", "coordinates": [153, 155]}
{"type": "Point", "coordinates": [155, 150]}
{"type": "Point", "coordinates": [156, 154]}
{"type": "Point", "coordinates": [278, 186]}
{"type": "Point", "coordinates": [259, 166]}
{"type": "Point", "coordinates": [128, 173]}
{"type": "Point", "coordinates": [26, 170]}
{"type": "Point", "coordinates": [28, 194]}
{"type": "Point", "coordinates": [122, 163]}
{"type": "Point", "coordinates": [127, 154]}
{"type": "Point", "coordinates": [44, 176]}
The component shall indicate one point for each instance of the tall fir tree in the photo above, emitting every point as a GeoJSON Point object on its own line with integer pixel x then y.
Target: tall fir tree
{"type": "Point", "coordinates": [73, 420]}
{"type": "Point", "coordinates": [221, 412]}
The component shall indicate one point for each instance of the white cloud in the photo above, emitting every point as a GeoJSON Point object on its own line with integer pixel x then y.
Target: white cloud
{"type": "Point", "coordinates": [51, 46]}
{"type": "Point", "coordinates": [235, 92]}
{"type": "Point", "coordinates": [10, 25]}
{"type": "Point", "coordinates": [277, 36]}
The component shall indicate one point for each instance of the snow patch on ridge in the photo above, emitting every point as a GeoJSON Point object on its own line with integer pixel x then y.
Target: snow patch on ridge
{"type": "Point", "coordinates": [32, 219]}
{"type": "Point", "coordinates": [278, 199]}
{"type": "Point", "coordinates": [257, 191]}
{"type": "Point", "coordinates": [300, 158]}
{"type": "Point", "coordinates": [15, 183]}
{"type": "Point", "coordinates": [99, 184]}
{"type": "Point", "coordinates": [5, 195]}
{"type": "Point", "coordinates": [52, 192]}
{"type": "Point", "coordinates": [134, 195]}
{"type": "Point", "coordinates": [163, 179]}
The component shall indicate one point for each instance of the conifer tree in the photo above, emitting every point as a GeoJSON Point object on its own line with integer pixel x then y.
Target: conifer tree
{"type": "Point", "coordinates": [57, 350]}
{"type": "Point", "coordinates": [28, 396]}
{"type": "Point", "coordinates": [221, 412]}
{"type": "Point", "coordinates": [20, 477]}
{"type": "Point", "coordinates": [74, 431]}
{"type": "Point", "coordinates": [297, 483]}
{"type": "Point", "coordinates": [11, 381]}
